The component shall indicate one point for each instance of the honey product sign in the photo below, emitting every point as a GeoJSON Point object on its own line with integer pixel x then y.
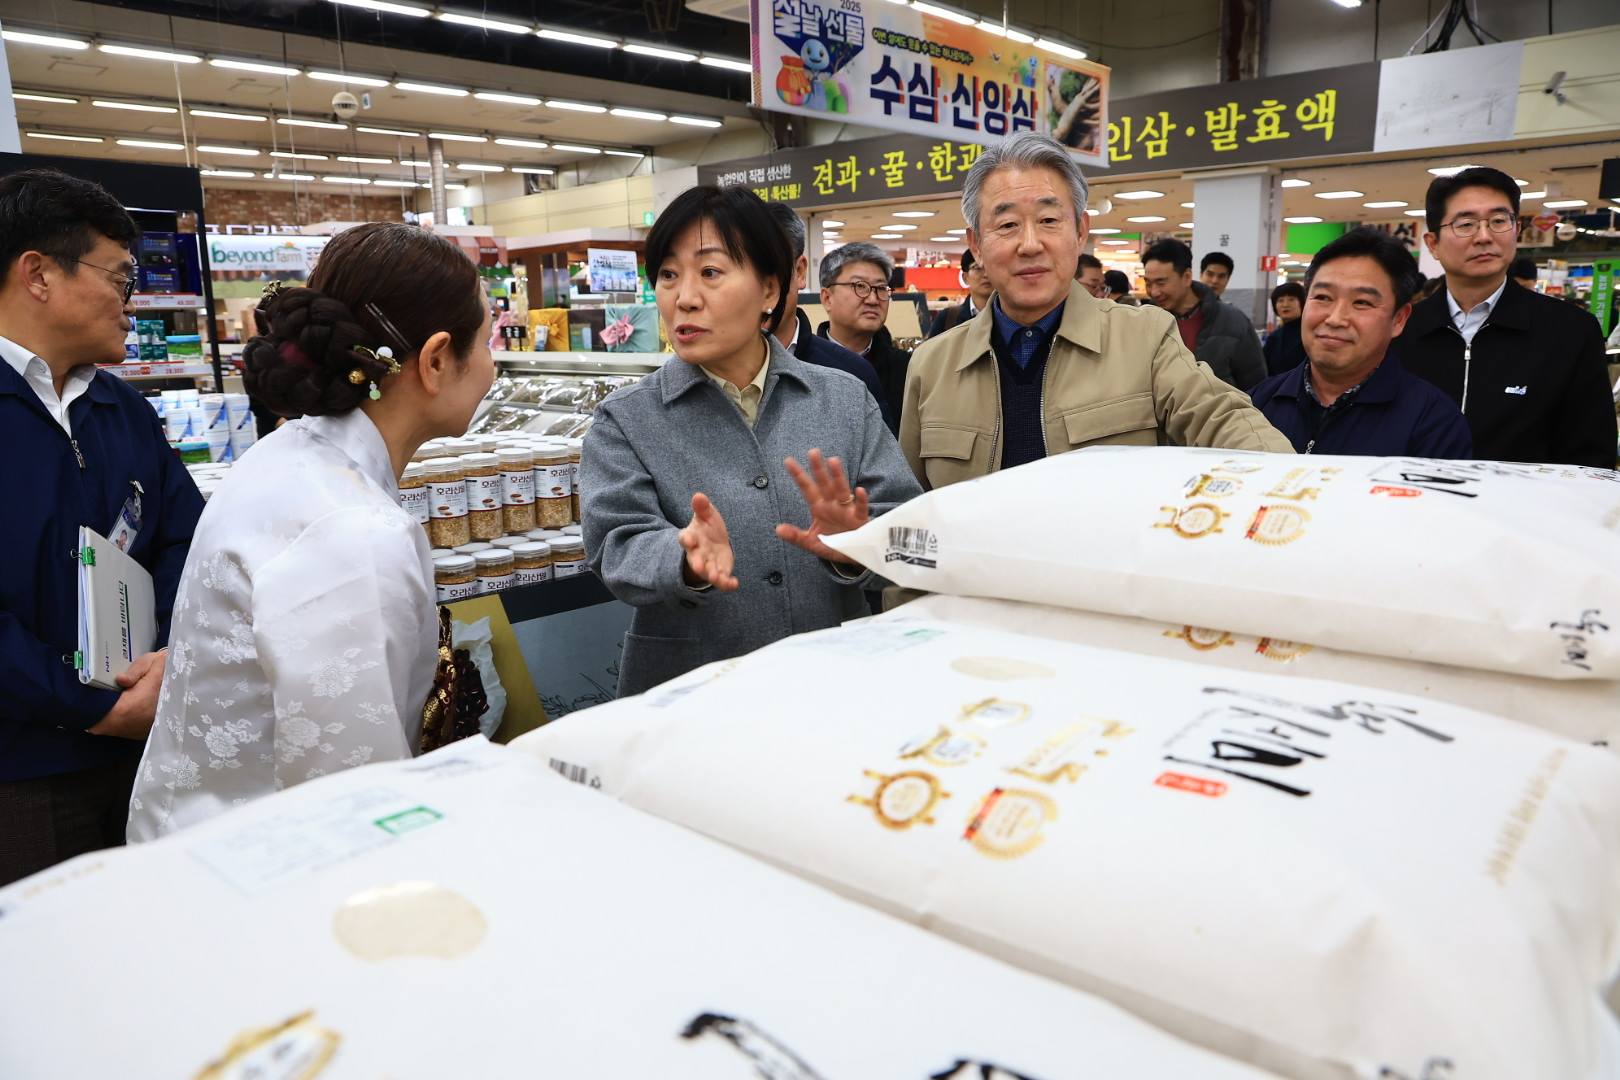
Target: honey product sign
{"type": "Point", "coordinates": [1264, 864]}
{"type": "Point", "coordinates": [1394, 557]}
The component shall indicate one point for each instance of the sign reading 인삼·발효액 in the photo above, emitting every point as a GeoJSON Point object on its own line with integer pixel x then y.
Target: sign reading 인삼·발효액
{"type": "Point", "coordinates": [875, 63]}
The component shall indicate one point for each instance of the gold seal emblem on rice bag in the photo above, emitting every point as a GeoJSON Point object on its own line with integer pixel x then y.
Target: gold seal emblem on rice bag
{"type": "Point", "coordinates": [1296, 484]}
{"type": "Point", "coordinates": [1193, 521]}
{"type": "Point", "coordinates": [995, 713]}
{"type": "Point", "coordinates": [1201, 638]}
{"type": "Point", "coordinates": [1280, 650]}
{"type": "Point", "coordinates": [1009, 821]}
{"type": "Point", "coordinates": [1277, 525]}
{"type": "Point", "coordinates": [297, 1049]}
{"type": "Point", "coordinates": [1239, 467]}
{"type": "Point", "coordinates": [1210, 486]}
{"type": "Point", "coordinates": [1066, 754]}
{"type": "Point", "coordinates": [902, 799]}
{"type": "Point", "coordinates": [945, 747]}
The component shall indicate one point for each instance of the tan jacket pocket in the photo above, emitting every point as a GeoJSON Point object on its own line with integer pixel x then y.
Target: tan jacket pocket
{"type": "Point", "coordinates": [948, 455]}
{"type": "Point", "coordinates": [1123, 421]}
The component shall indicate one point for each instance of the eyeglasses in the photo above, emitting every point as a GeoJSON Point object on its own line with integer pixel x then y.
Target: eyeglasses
{"type": "Point", "coordinates": [1468, 226]}
{"type": "Point", "coordinates": [864, 289]}
{"type": "Point", "coordinates": [128, 281]}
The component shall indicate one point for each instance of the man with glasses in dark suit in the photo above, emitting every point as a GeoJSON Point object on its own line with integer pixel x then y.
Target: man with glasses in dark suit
{"type": "Point", "coordinates": [855, 291]}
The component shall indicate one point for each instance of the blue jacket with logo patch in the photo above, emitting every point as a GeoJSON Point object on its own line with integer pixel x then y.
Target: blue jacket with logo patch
{"type": "Point", "coordinates": [44, 710]}
{"type": "Point", "coordinates": [1391, 414]}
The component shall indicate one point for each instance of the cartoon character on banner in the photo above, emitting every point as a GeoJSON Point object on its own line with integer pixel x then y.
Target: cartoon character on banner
{"type": "Point", "coordinates": [823, 43]}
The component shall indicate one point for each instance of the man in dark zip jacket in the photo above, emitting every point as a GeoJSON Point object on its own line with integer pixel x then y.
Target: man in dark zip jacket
{"type": "Point", "coordinates": [1527, 370]}
{"type": "Point", "coordinates": [85, 450]}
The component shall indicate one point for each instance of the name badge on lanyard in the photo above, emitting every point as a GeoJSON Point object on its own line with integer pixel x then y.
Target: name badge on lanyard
{"type": "Point", "coordinates": [128, 524]}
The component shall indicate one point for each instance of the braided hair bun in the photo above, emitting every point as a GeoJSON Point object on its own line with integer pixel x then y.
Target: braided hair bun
{"type": "Point", "coordinates": [302, 360]}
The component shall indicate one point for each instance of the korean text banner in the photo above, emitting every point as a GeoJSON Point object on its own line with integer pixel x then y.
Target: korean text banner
{"type": "Point", "coordinates": [872, 62]}
{"type": "Point", "coordinates": [1311, 114]}
{"type": "Point", "coordinates": [846, 172]}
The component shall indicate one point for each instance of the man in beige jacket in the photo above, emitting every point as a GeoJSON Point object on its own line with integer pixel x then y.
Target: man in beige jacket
{"type": "Point", "coordinates": [1046, 367]}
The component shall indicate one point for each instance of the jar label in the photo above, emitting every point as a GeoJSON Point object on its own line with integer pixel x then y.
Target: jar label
{"type": "Point", "coordinates": [518, 487]}
{"type": "Point", "coordinates": [451, 593]}
{"type": "Point", "coordinates": [568, 569]}
{"type": "Point", "coordinates": [448, 500]}
{"type": "Point", "coordinates": [495, 583]}
{"type": "Point", "coordinates": [533, 577]}
{"type": "Point", "coordinates": [484, 492]}
{"type": "Point", "coordinates": [414, 501]}
{"type": "Point", "coordinates": [558, 482]}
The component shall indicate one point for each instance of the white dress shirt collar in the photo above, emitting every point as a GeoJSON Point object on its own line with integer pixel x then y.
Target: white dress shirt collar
{"type": "Point", "coordinates": [37, 374]}
{"type": "Point", "coordinates": [1469, 322]}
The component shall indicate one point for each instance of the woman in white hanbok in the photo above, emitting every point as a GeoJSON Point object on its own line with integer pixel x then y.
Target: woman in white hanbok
{"type": "Point", "coordinates": [305, 631]}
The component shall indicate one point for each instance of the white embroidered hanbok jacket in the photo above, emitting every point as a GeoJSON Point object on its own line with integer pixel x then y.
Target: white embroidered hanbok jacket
{"type": "Point", "coordinates": [305, 629]}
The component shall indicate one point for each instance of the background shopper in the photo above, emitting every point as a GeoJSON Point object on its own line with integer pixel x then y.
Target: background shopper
{"type": "Point", "coordinates": [977, 283]}
{"type": "Point", "coordinates": [1283, 348]}
{"type": "Point", "coordinates": [855, 292]}
{"type": "Point", "coordinates": [1217, 333]}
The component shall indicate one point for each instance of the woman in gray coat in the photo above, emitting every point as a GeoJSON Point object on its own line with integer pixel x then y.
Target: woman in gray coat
{"type": "Point", "coordinates": [690, 477]}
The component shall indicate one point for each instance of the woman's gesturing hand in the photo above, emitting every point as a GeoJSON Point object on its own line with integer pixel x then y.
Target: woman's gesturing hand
{"type": "Point", "coordinates": [834, 508]}
{"type": "Point", "coordinates": [708, 547]}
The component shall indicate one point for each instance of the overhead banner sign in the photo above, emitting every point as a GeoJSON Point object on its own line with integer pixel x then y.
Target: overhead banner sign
{"type": "Point", "coordinates": [1310, 114]}
{"type": "Point", "coordinates": [875, 63]}
{"type": "Point", "coordinates": [859, 171]}
{"type": "Point", "coordinates": [264, 254]}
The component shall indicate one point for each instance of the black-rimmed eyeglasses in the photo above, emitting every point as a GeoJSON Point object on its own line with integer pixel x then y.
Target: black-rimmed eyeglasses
{"type": "Point", "coordinates": [127, 280]}
{"type": "Point", "coordinates": [1467, 226]}
{"type": "Point", "coordinates": [864, 289]}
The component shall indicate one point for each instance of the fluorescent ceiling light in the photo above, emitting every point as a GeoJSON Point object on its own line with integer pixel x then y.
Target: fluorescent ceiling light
{"type": "Point", "coordinates": [478, 166]}
{"type": "Point", "coordinates": [324, 125]}
{"type": "Point", "coordinates": [48, 99]}
{"type": "Point", "coordinates": [639, 114]}
{"type": "Point", "coordinates": [506, 99]}
{"type": "Point", "coordinates": [412, 164]}
{"type": "Point", "coordinates": [892, 227]}
{"type": "Point", "coordinates": [1020, 37]}
{"type": "Point", "coordinates": [1564, 204]}
{"type": "Point", "coordinates": [385, 6]}
{"type": "Point", "coordinates": [394, 183]}
{"type": "Point", "coordinates": [624, 153]}
{"type": "Point", "coordinates": [289, 155]}
{"type": "Point", "coordinates": [727, 63]}
{"type": "Point", "coordinates": [945, 239]}
{"type": "Point", "coordinates": [151, 144]}
{"type": "Point", "coordinates": [367, 160]}
{"type": "Point", "coordinates": [23, 37]}
{"type": "Point", "coordinates": [429, 88]}
{"type": "Point", "coordinates": [352, 80]}
{"type": "Point", "coordinates": [1061, 49]}
{"type": "Point", "coordinates": [694, 121]}
{"type": "Point", "coordinates": [390, 131]}
{"type": "Point", "coordinates": [1450, 170]}
{"type": "Point", "coordinates": [887, 236]}
{"type": "Point", "coordinates": [527, 144]}
{"type": "Point", "coordinates": [456, 136]}
{"type": "Point", "coordinates": [1186, 206]}
{"type": "Point", "coordinates": [1521, 183]}
{"type": "Point", "coordinates": [533, 170]}
{"type": "Point", "coordinates": [831, 223]}
{"type": "Point", "coordinates": [234, 151]}
{"type": "Point", "coordinates": [1136, 196]}
{"type": "Point", "coordinates": [663, 54]}
{"type": "Point", "coordinates": [943, 13]}
{"type": "Point", "coordinates": [1294, 181]}
{"type": "Point", "coordinates": [1185, 225]}
{"type": "Point", "coordinates": [220, 115]}
{"type": "Point", "coordinates": [253, 65]}
{"type": "Point", "coordinates": [451, 187]}
{"type": "Point", "coordinates": [1385, 204]}
{"type": "Point", "coordinates": [64, 138]}
{"type": "Point", "coordinates": [1345, 194]}
{"type": "Point", "coordinates": [151, 54]}
{"type": "Point", "coordinates": [1348, 3]}
{"type": "Point", "coordinates": [574, 148]}
{"type": "Point", "coordinates": [240, 174]}
{"type": "Point", "coordinates": [356, 180]}
{"type": "Point", "coordinates": [914, 213]}
{"type": "Point", "coordinates": [576, 39]}
{"type": "Point", "coordinates": [1146, 219]}
{"type": "Point", "coordinates": [482, 23]}
{"type": "Point", "coordinates": [1116, 243]}
{"type": "Point", "coordinates": [288, 176]}
{"type": "Point", "coordinates": [1306, 220]}
{"type": "Point", "coordinates": [1415, 213]}
{"type": "Point", "coordinates": [132, 106]}
{"type": "Point", "coordinates": [961, 232]}
{"type": "Point", "coordinates": [575, 106]}
{"type": "Point", "coordinates": [1527, 195]}
{"type": "Point", "coordinates": [992, 28]}
{"type": "Point", "coordinates": [1105, 231]}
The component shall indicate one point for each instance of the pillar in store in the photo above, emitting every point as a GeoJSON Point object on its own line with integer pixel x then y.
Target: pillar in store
{"type": "Point", "coordinates": [814, 248]}
{"type": "Point", "coordinates": [1239, 212]}
{"type": "Point", "coordinates": [441, 206]}
{"type": "Point", "coordinates": [10, 141]}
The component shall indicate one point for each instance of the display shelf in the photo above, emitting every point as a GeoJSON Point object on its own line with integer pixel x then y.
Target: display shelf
{"type": "Point", "coordinates": [136, 369]}
{"type": "Point", "coordinates": [168, 302]}
{"type": "Point", "coordinates": [582, 363]}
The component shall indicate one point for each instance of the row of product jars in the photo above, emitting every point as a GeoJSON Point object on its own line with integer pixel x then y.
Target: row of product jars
{"type": "Point", "coordinates": [484, 487]}
{"type": "Point", "coordinates": [477, 568]}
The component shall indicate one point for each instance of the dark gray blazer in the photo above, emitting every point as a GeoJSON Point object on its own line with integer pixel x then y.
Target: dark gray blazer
{"type": "Point", "coordinates": [654, 444]}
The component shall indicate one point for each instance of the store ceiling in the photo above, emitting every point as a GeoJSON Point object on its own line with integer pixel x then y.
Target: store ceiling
{"type": "Point", "coordinates": [1571, 170]}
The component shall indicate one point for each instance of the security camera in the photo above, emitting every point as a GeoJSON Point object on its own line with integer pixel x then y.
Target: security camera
{"type": "Point", "coordinates": [1554, 87]}
{"type": "Point", "coordinates": [345, 105]}
{"type": "Point", "coordinates": [1566, 230]}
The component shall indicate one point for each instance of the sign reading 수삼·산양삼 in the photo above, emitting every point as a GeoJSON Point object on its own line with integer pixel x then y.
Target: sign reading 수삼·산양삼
{"type": "Point", "coordinates": [875, 63]}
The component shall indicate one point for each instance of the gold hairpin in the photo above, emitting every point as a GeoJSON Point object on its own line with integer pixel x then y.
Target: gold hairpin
{"type": "Point", "coordinates": [271, 291]}
{"type": "Point", "coordinates": [383, 355]}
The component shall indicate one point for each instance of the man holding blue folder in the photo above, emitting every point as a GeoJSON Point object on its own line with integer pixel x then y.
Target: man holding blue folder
{"type": "Point", "coordinates": [81, 449]}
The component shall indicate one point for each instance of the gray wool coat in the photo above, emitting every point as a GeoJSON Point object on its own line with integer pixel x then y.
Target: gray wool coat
{"type": "Point", "coordinates": [654, 444]}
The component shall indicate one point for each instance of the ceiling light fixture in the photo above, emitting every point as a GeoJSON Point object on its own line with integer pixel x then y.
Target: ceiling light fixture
{"type": "Point", "coordinates": [639, 114]}
{"type": "Point", "coordinates": [1521, 183]}
{"type": "Point", "coordinates": [1564, 204]}
{"type": "Point", "coordinates": [239, 174]}
{"type": "Point", "coordinates": [393, 183]}
{"type": "Point", "coordinates": [1294, 181]}
{"type": "Point", "coordinates": [575, 148]}
{"type": "Point", "coordinates": [662, 54]}
{"type": "Point", "coordinates": [367, 160]}
{"type": "Point", "coordinates": [390, 131]}
{"type": "Point", "coordinates": [694, 121]}
{"type": "Point", "coordinates": [409, 163]}
{"type": "Point", "coordinates": [1525, 196]}
{"type": "Point", "coordinates": [527, 144]}
{"type": "Point", "coordinates": [450, 187]}
{"type": "Point", "coordinates": [234, 151]}
{"type": "Point", "coordinates": [48, 99]}
{"type": "Point", "coordinates": [290, 156]}
{"type": "Point", "coordinates": [1146, 219]}
{"type": "Point", "coordinates": [429, 88]}
{"type": "Point", "coordinates": [1345, 194]}
{"type": "Point", "coordinates": [624, 153]}
{"type": "Point", "coordinates": [1106, 231]}
{"type": "Point", "coordinates": [831, 223]}
{"type": "Point", "coordinates": [151, 144]}
{"type": "Point", "coordinates": [1137, 196]}
{"type": "Point", "coordinates": [533, 170]}
{"type": "Point", "coordinates": [151, 54]}
{"type": "Point", "coordinates": [943, 13]}
{"type": "Point", "coordinates": [133, 106]}
{"type": "Point", "coordinates": [324, 125]}
{"type": "Point", "coordinates": [64, 138]}
{"type": "Point", "coordinates": [1450, 170]}
{"type": "Point", "coordinates": [892, 227]}
{"type": "Point", "coordinates": [1415, 213]}
{"type": "Point", "coordinates": [576, 39]}
{"type": "Point", "coordinates": [352, 80]}
{"type": "Point", "coordinates": [1020, 37]}
{"type": "Point", "coordinates": [288, 176]}
{"type": "Point", "coordinates": [914, 213]}
{"type": "Point", "coordinates": [887, 236]}
{"type": "Point", "coordinates": [1186, 206]}
{"type": "Point", "coordinates": [358, 181]}
{"type": "Point", "coordinates": [1116, 243]}
{"type": "Point", "coordinates": [1061, 49]}
{"type": "Point", "coordinates": [253, 65]}
{"type": "Point", "coordinates": [482, 23]}
{"type": "Point", "coordinates": [1386, 204]}
{"type": "Point", "coordinates": [1185, 225]}
{"type": "Point", "coordinates": [1303, 220]}
{"type": "Point", "coordinates": [575, 106]}
{"type": "Point", "coordinates": [727, 63]}
{"type": "Point", "coordinates": [506, 99]}
{"type": "Point", "coordinates": [945, 239]}
{"type": "Point", "coordinates": [385, 6]}
{"type": "Point", "coordinates": [963, 232]}
{"type": "Point", "coordinates": [478, 166]}
{"type": "Point", "coordinates": [221, 115]}
{"type": "Point", "coordinates": [23, 37]}
{"type": "Point", "coordinates": [454, 136]}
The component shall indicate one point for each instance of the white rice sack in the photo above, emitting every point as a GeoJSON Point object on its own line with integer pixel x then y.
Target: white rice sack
{"type": "Point", "coordinates": [1476, 564]}
{"type": "Point", "coordinates": [471, 914]}
{"type": "Point", "coordinates": [1325, 880]}
{"type": "Point", "coordinates": [1586, 710]}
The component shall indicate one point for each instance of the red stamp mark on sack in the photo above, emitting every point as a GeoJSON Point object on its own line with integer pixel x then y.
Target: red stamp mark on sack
{"type": "Point", "coordinates": [1214, 789]}
{"type": "Point", "coordinates": [1396, 492]}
